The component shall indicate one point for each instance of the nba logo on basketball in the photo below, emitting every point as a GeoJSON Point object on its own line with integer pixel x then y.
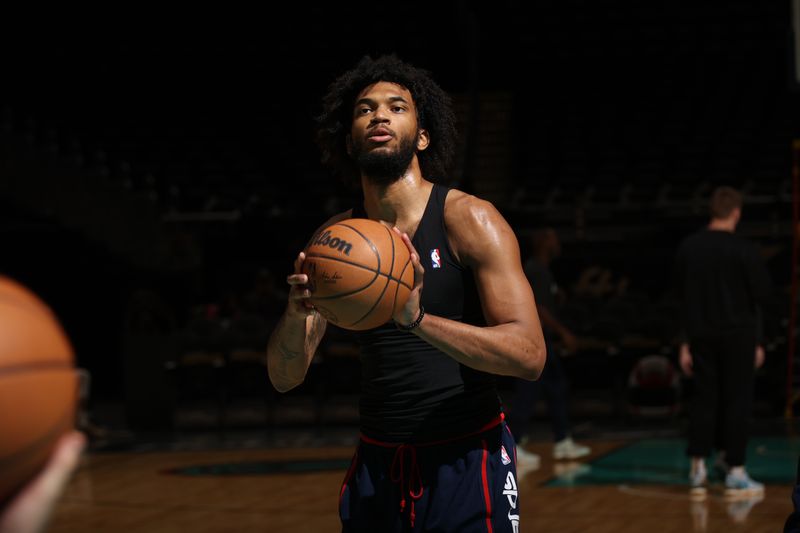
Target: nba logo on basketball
{"type": "Point", "coordinates": [436, 259]}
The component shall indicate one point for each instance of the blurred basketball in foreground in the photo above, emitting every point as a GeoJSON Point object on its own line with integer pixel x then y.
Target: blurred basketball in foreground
{"type": "Point", "coordinates": [38, 385]}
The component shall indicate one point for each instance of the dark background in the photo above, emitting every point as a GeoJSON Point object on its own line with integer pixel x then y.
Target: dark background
{"type": "Point", "coordinates": [149, 176]}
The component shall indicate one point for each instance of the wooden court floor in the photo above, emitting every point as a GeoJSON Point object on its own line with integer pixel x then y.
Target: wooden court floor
{"type": "Point", "coordinates": [216, 491]}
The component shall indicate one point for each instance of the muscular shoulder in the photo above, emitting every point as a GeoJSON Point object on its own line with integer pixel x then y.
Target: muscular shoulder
{"type": "Point", "coordinates": [475, 226]}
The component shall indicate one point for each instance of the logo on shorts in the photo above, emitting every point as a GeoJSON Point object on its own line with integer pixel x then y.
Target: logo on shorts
{"type": "Point", "coordinates": [510, 491]}
{"type": "Point", "coordinates": [436, 259]}
{"type": "Point", "coordinates": [504, 456]}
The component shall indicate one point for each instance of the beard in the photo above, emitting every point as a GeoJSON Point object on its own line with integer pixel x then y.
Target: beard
{"type": "Point", "coordinates": [383, 167]}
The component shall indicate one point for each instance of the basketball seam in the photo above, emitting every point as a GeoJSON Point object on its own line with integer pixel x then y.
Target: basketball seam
{"type": "Point", "coordinates": [31, 367]}
{"type": "Point", "coordinates": [377, 274]}
{"type": "Point", "coordinates": [386, 286]}
{"type": "Point", "coordinates": [374, 305]}
{"type": "Point", "coordinates": [397, 287]}
{"type": "Point", "coordinates": [369, 242]}
{"type": "Point", "coordinates": [40, 442]}
{"type": "Point", "coordinates": [410, 287]}
{"type": "Point", "coordinates": [352, 292]}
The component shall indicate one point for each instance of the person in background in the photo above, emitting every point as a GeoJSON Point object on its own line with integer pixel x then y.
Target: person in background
{"type": "Point", "coordinates": [544, 248]}
{"type": "Point", "coordinates": [721, 282]}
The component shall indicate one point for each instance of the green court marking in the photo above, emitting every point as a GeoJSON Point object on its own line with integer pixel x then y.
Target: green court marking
{"type": "Point", "coordinates": [260, 468]}
{"type": "Point", "coordinates": [664, 462]}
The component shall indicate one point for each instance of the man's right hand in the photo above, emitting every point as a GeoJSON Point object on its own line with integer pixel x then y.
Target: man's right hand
{"type": "Point", "coordinates": [299, 306]}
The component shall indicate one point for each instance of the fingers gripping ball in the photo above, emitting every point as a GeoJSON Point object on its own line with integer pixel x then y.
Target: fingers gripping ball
{"type": "Point", "coordinates": [359, 273]}
{"type": "Point", "coordinates": [38, 385]}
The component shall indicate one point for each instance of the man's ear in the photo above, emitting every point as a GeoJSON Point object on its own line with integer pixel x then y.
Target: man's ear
{"type": "Point", "coordinates": [423, 139]}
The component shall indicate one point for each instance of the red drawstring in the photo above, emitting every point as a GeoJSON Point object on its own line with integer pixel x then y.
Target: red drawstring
{"type": "Point", "coordinates": [415, 488]}
{"type": "Point", "coordinates": [398, 474]}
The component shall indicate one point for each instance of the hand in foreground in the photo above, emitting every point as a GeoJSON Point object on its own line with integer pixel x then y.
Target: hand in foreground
{"type": "Point", "coordinates": [30, 510]}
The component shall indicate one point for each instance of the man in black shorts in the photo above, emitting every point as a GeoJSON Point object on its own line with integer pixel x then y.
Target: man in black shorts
{"type": "Point", "coordinates": [435, 452]}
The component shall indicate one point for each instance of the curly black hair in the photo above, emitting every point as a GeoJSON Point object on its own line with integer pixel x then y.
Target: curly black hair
{"type": "Point", "coordinates": [434, 113]}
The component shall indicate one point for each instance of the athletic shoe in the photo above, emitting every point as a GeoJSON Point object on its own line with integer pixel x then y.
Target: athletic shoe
{"type": "Point", "coordinates": [740, 485]}
{"type": "Point", "coordinates": [569, 472]}
{"type": "Point", "coordinates": [698, 485]}
{"type": "Point", "coordinates": [527, 460]}
{"type": "Point", "coordinates": [569, 449]}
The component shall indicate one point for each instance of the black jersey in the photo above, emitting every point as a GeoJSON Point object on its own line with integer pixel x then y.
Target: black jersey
{"type": "Point", "coordinates": [410, 390]}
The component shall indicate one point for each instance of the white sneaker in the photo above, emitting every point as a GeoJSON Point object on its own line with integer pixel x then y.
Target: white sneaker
{"type": "Point", "coordinates": [740, 485]}
{"type": "Point", "coordinates": [698, 485]}
{"type": "Point", "coordinates": [568, 472]}
{"type": "Point", "coordinates": [569, 449]}
{"type": "Point", "coordinates": [527, 460]}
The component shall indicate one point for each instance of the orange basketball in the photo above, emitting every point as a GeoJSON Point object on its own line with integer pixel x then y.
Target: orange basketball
{"type": "Point", "coordinates": [38, 385]}
{"type": "Point", "coordinates": [359, 273]}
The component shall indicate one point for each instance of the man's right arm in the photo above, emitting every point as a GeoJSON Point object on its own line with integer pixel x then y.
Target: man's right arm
{"type": "Point", "coordinates": [291, 348]}
{"type": "Point", "coordinates": [295, 339]}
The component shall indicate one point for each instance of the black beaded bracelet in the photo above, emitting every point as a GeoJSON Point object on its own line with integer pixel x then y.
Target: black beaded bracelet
{"type": "Point", "coordinates": [415, 323]}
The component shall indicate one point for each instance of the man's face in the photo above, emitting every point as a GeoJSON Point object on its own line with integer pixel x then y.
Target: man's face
{"type": "Point", "coordinates": [385, 135]}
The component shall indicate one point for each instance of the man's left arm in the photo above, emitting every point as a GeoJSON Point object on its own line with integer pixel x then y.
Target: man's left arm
{"type": "Point", "coordinates": [512, 343]}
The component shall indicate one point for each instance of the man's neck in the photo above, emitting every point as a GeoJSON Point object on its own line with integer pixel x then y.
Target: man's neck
{"type": "Point", "coordinates": [401, 202]}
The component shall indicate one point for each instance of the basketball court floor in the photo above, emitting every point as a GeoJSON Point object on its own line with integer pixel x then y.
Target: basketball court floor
{"type": "Point", "coordinates": [288, 480]}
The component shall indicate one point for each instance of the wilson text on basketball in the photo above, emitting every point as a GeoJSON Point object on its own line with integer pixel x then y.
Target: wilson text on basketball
{"type": "Point", "coordinates": [336, 243]}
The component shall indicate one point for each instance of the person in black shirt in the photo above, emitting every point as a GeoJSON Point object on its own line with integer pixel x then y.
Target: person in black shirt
{"type": "Point", "coordinates": [435, 453]}
{"type": "Point", "coordinates": [721, 281]}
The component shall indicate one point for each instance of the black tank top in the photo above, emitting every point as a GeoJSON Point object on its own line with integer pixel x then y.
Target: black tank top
{"type": "Point", "coordinates": [411, 391]}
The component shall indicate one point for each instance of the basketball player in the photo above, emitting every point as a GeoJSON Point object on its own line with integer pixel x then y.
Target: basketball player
{"type": "Point", "coordinates": [435, 453]}
{"type": "Point", "coordinates": [30, 510]}
{"type": "Point", "coordinates": [721, 280]}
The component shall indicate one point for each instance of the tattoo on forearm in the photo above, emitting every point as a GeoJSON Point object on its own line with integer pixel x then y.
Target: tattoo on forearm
{"type": "Point", "coordinates": [287, 353]}
{"type": "Point", "coordinates": [317, 330]}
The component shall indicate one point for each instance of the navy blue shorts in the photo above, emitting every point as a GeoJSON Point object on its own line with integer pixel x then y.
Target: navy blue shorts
{"type": "Point", "coordinates": [463, 485]}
